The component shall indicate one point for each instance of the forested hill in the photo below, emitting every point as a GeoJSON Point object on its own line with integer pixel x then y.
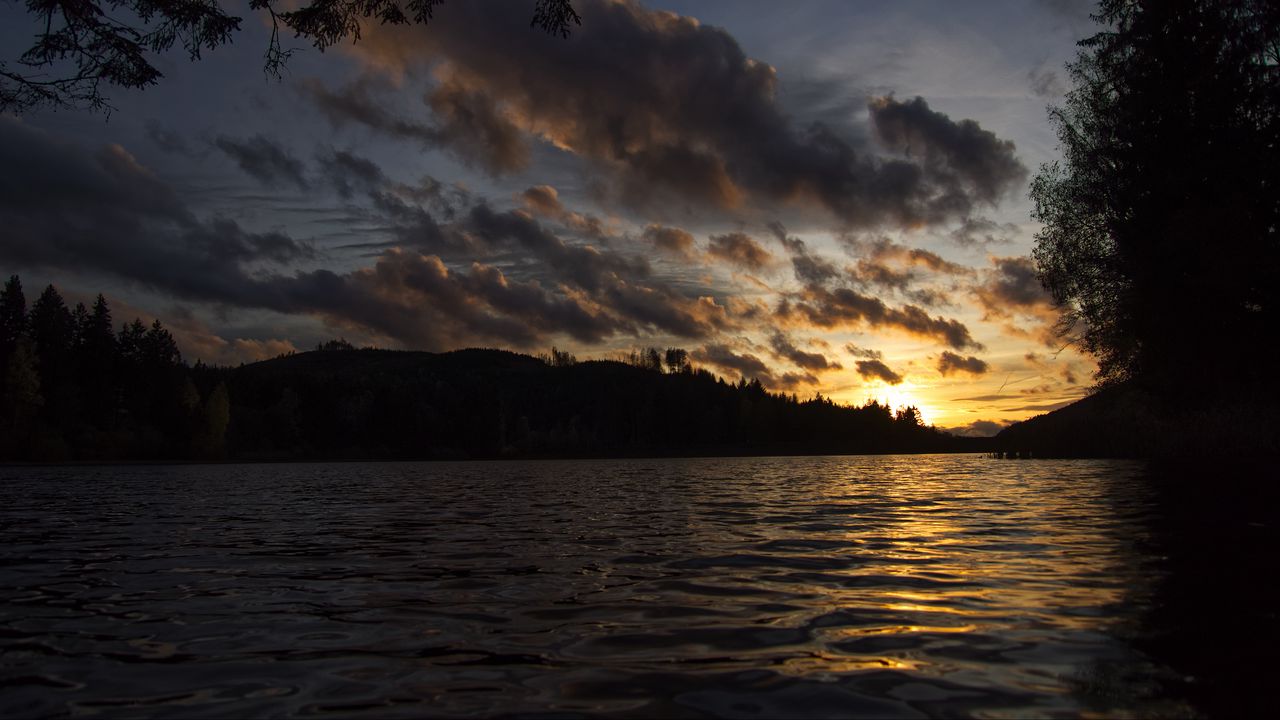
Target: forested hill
{"type": "Point", "coordinates": [492, 403]}
{"type": "Point", "coordinates": [72, 388]}
{"type": "Point", "coordinates": [1130, 420]}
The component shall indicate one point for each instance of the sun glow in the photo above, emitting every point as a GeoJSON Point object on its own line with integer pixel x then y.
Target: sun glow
{"type": "Point", "coordinates": [902, 395]}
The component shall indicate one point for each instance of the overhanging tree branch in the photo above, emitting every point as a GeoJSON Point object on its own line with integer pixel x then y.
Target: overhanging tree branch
{"type": "Point", "coordinates": [88, 44]}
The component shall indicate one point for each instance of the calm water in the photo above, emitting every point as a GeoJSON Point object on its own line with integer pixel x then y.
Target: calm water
{"type": "Point", "coordinates": [777, 587]}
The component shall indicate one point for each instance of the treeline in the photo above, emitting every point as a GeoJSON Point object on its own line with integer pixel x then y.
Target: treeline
{"type": "Point", "coordinates": [77, 389]}
{"type": "Point", "coordinates": [368, 403]}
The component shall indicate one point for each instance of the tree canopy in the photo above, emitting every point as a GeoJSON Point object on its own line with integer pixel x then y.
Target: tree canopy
{"type": "Point", "coordinates": [1160, 223]}
{"type": "Point", "coordinates": [82, 45]}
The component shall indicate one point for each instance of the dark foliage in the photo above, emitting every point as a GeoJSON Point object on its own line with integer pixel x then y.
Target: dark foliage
{"type": "Point", "coordinates": [81, 45]}
{"type": "Point", "coordinates": [74, 390]}
{"type": "Point", "coordinates": [1131, 420]}
{"type": "Point", "coordinates": [492, 403]}
{"type": "Point", "coordinates": [1160, 237]}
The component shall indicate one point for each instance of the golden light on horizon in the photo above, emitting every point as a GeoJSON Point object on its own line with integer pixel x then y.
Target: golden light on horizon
{"type": "Point", "coordinates": [903, 395]}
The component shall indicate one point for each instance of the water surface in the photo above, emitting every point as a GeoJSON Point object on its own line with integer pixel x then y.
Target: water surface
{"type": "Point", "coordinates": [902, 586]}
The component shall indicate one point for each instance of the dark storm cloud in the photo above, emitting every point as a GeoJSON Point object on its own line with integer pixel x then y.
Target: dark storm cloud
{"type": "Point", "coordinates": [744, 364]}
{"type": "Point", "coordinates": [353, 103]}
{"type": "Point", "coordinates": [662, 308]}
{"type": "Point", "coordinates": [1044, 83]}
{"type": "Point", "coordinates": [739, 249]}
{"type": "Point", "coordinates": [349, 174]}
{"type": "Point", "coordinates": [544, 201]}
{"type": "Point", "coordinates": [870, 272]}
{"type": "Point", "coordinates": [671, 108]}
{"type": "Point", "coordinates": [961, 156]}
{"type": "Point", "coordinates": [789, 381]}
{"type": "Point", "coordinates": [473, 125]}
{"type": "Point", "coordinates": [398, 208]}
{"type": "Point", "coordinates": [263, 159]}
{"type": "Point", "coordinates": [468, 123]}
{"type": "Point", "coordinates": [583, 265]}
{"type": "Point", "coordinates": [1012, 286]}
{"type": "Point", "coordinates": [884, 250]}
{"type": "Point", "coordinates": [877, 370]}
{"type": "Point", "coordinates": [621, 285]}
{"type": "Point", "coordinates": [784, 348]}
{"type": "Point", "coordinates": [862, 352]}
{"type": "Point", "coordinates": [670, 239]}
{"type": "Point", "coordinates": [64, 208]}
{"type": "Point", "coordinates": [808, 268]}
{"type": "Point", "coordinates": [979, 231]}
{"type": "Point", "coordinates": [839, 307]}
{"type": "Point", "coordinates": [950, 362]}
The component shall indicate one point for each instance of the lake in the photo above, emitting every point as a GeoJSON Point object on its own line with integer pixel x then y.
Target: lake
{"type": "Point", "coordinates": [893, 586]}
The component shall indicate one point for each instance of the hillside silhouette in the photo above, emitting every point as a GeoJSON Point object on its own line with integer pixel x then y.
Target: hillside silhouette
{"type": "Point", "coordinates": [74, 389]}
{"type": "Point", "coordinates": [1130, 420]}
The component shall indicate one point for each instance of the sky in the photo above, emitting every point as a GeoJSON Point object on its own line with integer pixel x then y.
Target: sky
{"type": "Point", "coordinates": [828, 196]}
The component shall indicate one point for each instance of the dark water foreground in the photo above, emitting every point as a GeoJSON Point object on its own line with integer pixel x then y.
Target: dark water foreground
{"type": "Point", "coordinates": [905, 586]}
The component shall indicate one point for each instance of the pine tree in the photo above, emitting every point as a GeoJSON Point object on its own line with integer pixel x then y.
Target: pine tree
{"type": "Point", "coordinates": [159, 349]}
{"type": "Point", "coordinates": [99, 365]}
{"type": "Point", "coordinates": [13, 315]}
{"type": "Point", "coordinates": [20, 400]}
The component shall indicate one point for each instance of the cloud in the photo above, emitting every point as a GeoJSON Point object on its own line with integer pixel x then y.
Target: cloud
{"type": "Point", "coordinates": [861, 352]}
{"type": "Point", "coordinates": [877, 370]}
{"type": "Point", "coordinates": [1012, 294]}
{"type": "Point", "coordinates": [670, 240]}
{"type": "Point", "coordinates": [472, 124]}
{"type": "Point", "coordinates": [544, 201]}
{"type": "Point", "coordinates": [739, 249]}
{"type": "Point", "coordinates": [784, 348]}
{"type": "Point", "coordinates": [63, 207]}
{"type": "Point", "coordinates": [978, 231]}
{"type": "Point", "coordinates": [808, 268]}
{"type": "Point", "coordinates": [962, 157]}
{"type": "Point", "coordinates": [882, 250]}
{"type": "Point", "coordinates": [790, 381]}
{"type": "Point", "coordinates": [1044, 83]}
{"type": "Point", "coordinates": [744, 364]}
{"type": "Point", "coordinates": [1012, 286]}
{"type": "Point", "coordinates": [840, 307]}
{"type": "Point", "coordinates": [747, 365]}
{"type": "Point", "coordinates": [950, 362]}
{"type": "Point", "coordinates": [195, 340]}
{"type": "Point", "coordinates": [264, 160]}
{"type": "Point", "coordinates": [667, 108]}
{"type": "Point", "coordinates": [349, 174]}
{"type": "Point", "coordinates": [104, 213]}
{"type": "Point", "coordinates": [870, 272]}
{"type": "Point", "coordinates": [978, 428]}
{"type": "Point", "coordinates": [353, 103]}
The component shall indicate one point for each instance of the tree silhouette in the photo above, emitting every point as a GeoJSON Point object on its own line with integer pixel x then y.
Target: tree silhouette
{"type": "Point", "coordinates": [1160, 224]}
{"type": "Point", "coordinates": [129, 396]}
{"type": "Point", "coordinates": [83, 44]}
{"type": "Point", "coordinates": [13, 317]}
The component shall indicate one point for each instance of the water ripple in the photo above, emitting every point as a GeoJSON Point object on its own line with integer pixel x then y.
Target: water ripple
{"type": "Point", "coordinates": [741, 588]}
